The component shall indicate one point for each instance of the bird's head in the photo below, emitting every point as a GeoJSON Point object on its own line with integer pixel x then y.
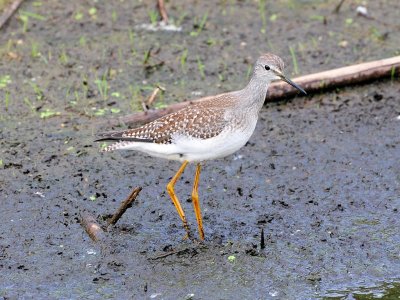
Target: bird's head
{"type": "Point", "coordinates": [269, 67]}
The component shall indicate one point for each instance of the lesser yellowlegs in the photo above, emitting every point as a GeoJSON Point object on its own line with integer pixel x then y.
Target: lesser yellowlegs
{"type": "Point", "coordinates": [213, 128]}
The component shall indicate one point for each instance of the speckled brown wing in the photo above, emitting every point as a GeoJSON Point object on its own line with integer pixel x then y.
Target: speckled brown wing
{"type": "Point", "coordinates": [198, 121]}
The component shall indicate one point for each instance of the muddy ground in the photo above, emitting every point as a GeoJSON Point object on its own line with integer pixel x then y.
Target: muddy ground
{"type": "Point", "coordinates": [320, 175]}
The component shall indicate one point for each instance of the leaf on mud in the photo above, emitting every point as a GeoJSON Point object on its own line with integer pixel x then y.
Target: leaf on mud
{"type": "Point", "coordinates": [28, 14]}
{"type": "Point", "coordinates": [78, 16]}
{"type": "Point", "coordinates": [4, 81]}
{"type": "Point", "coordinates": [103, 146]}
{"type": "Point", "coordinates": [92, 11]}
{"type": "Point", "coordinates": [47, 113]}
{"type": "Point", "coordinates": [231, 258]}
{"type": "Point", "coordinates": [100, 112]}
{"type": "Point", "coordinates": [273, 17]}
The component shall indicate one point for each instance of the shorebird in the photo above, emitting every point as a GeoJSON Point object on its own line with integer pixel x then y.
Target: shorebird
{"type": "Point", "coordinates": [212, 128]}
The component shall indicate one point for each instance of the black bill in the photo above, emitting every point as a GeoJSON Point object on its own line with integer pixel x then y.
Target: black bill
{"type": "Point", "coordinates": [283, 77]}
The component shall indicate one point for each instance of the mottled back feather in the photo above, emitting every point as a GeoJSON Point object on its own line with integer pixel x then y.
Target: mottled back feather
{"type": "Point", "coordinates": [202, 120]}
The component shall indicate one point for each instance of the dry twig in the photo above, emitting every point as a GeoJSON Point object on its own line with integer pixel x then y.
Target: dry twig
{"type": "Point", "coordinates": [337, 8]}
{"type": "Point", "coordinates": [124, 206]}
{"type": "Point", "coordinates": [147, 104]}
{"type": "Point", "coordinates": [262, 241]}
{"type": "Point", "coordinates": [9, 12]}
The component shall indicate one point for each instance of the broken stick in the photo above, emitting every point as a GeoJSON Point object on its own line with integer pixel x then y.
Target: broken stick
{"type": "Point", "coordinates": [91, 226]}
{"type": "Point", "coordinates": [354, 74]}
{"type": "Point", "coordinates": [262, 241]}
{"type": "Point", "coordinates": [9, 12]}
{"type": "Point", "coordinates": [147, 104]}
{"type": "Point", "coordinates": [124, 206]}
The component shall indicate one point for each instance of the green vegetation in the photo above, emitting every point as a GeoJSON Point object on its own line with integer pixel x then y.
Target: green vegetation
{"type": "Point", "coordinates": [29, 104]}
{"type": "Point", "coordinates": [37, 90]}
{"type": "Point", "coordinates": [92, 12]}
{"type": "Point", "coordinates": [102, 86]}
{"type": "Point", "coordinates": [48, 113]}
{"type": "Point", "coordinates": [262, 13]}
{"type": "Point", "coordinates": [132, 42]}
{"type": "Point", "coordinates": [201, 67]}
{"type": "Point", "coordinates": [153, 15]}
{"type": "Point", "coordinates": [4, 81]}
{"type": "Point", "coordinates": [78, 16]}
{"type": "Point", "coordinates": [7, 100]}
{"type": "Point", "coordinates": [294, 60]}
{"type": "Point", "coordinates": [200, 25]}
{"type": "Point", "coordinates": [35, 50]}
{"type": "Point", "coordinates": [183, 60]}
{"type": "Point", "coordinates": [63, 58]}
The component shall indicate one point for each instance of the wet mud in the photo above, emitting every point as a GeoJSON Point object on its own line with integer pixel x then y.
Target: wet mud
{"type": "Point", "coordinates": [320, 176]}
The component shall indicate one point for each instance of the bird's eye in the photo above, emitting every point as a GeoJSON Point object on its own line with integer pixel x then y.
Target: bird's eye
{"type": "Point", "coordinates": [267, 68]}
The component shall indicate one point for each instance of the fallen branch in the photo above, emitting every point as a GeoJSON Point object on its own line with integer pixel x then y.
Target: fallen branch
{"type": "Point", "coordinates": [338, 77]}
{"type": "Point", "coordinates": [9, 12]}
{"type": "Point", "coordinates": [162, 10]}
{"type": "Point", "coordinates": [153, 95]}
{"type": "Point", "coordinates": [124, 206]}
{"type": "Point", "coordinates": [91, 226]}
{"type": "Point", "coordinates": [337, 8]}
{"type": "Point", "coordinates": [311, 83]}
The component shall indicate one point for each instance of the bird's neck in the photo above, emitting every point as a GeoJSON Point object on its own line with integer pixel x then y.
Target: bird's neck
{"type": "Point", "coordinates": [253, 95]}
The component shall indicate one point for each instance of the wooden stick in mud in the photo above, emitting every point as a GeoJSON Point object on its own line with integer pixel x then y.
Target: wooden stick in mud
{"type": "Point", "coordinates": [91, 226]}
{"type": "Point", "coordinates": [262, 241]}
{"type": "Point", "coordinates": [147, 104]}
{"type": "Point", "coordinates": [337, 8]}
{"type": "Point", "coordinates": [153, 95]}
{"type": "Point", "coordinates": [338, 77]}
{"type": "Point", "coordinates": [162, 10]}
{"type": "Point", "coordinates": [311, 83]}
{"type": "Point", "coordinates": [9, 12]}
{"type": "Point", "coordinates": [124, 206]}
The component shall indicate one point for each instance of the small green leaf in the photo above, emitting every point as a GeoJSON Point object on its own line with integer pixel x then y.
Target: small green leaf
{"type": "Point", "coordinates": [116, 94]}
{"type": "Point", "coordinates": [317, 18]}
{"type": "Point", "coordinates": [92, 11]}
{"type": "Point", "coordinates": [349, 21]}
{"type": "Point", "coordinates": [115, 110]}
{"type": "Point", "coordinates": [32, 15]}
{"type": "Point", "coordinates": [231, 258]}
{"type": "Point", "coordinates": [103, 146]}
{"type": "Point", "coordinates": [92, 198]}
{"type": "Point", "coordinates": [273, 17]}
{"type": "Point", "coordinates": [78, 16]}
{"type": "Point", "coordinates": [47, 113]}
{"type": "Point", "coordinates": [100, 112]}
{"type": "Point", "coordinates": [4, 81]}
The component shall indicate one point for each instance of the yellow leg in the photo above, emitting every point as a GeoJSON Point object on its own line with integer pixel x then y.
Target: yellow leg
{"type": "Point", "coordinates": [196, 204]}
{"type": "Point", "coordinates": [174, 198]}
